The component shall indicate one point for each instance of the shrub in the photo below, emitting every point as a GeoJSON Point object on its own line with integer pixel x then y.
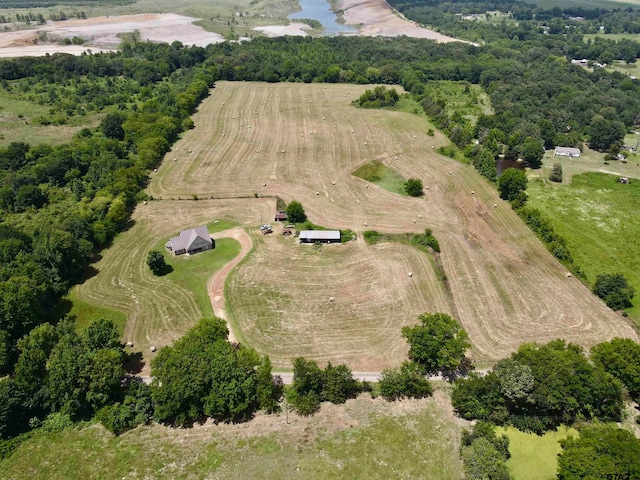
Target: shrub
{"type": "Point", "coordinates": [614, 290]}
{"type": "Point", "coordinates": [407, 381]}
{"type": "Point", "coordinates": [556, 173]}
{"type": "Point", "coordinates": [413, 187]}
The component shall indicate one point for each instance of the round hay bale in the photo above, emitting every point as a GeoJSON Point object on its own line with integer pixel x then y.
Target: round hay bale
{"type": "Point", "coordinates": [257, 151]}
{"type": "Point", "coordinates": [410, 274]}
{"type": "Point", "coordinates": [419, 216]}
{"type": "Point", "coordinates": [413, 221]}
{"type": "Point", "coordinates": [282, 151]}
{"type": "Point", "coordinates": [433, 147]}
{"type": "Point", "coordinates": [302, 134]}
{"type": "Point", "coordinates": [333, 183]}
{"type": "Point", "coordinates": [155, 169]}
{"type": "Point", "coordinates": [568, 275]}
{"type": "Point", "coordinates": [223, 134]}
{"type": "Point", "coordinates": [264, 184]}
{"type": "Point", "coordinates": [366, 143]}
{"type": "Point", "coordinates": [331, 299]}
{"type": "Point", "coordinates": [415, 136]}
{"type": "Point", "coordinates": [317, 193]}
{"type": "Point", "coordinates": [366, 186]}
{"type": "Point", "coordinates": [144, 203]}
{"type": "Point", "coordinates": [323, 118]}
{"type": "Point", "coordinates": [365, 124]}
{"type": "Point", "coordinates": [450, 173]}
{"type": "Point", "coordinates": [129, 344]}
{"type": "Point", "coordinates": [366, 224]}
{"type": "Point", "coordinates": [153, 348]}
{"type": "Point", "coordinates": [472, 192]}
{"type": "Point", "coordinates": [495, 205]}
{"type": "Point", "coordinates": [427, 187]}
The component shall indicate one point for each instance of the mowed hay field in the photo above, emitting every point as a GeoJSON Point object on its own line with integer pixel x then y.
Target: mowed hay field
{"type": "Point", "coordinates": [299, 140]}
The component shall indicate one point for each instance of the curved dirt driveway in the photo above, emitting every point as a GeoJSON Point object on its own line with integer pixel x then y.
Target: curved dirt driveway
{"type": "Point", "coordinates": [216, 283]}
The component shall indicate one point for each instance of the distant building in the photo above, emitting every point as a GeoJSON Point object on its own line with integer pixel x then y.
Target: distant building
{"type": "Point", "coordinates": [320, 236]}
{"type": "Point", "coordinates": [191, 241]}
{"type": "Point", "coordinates": [281, 217]}
{"type": "Point", "coordinates": [567, 152]}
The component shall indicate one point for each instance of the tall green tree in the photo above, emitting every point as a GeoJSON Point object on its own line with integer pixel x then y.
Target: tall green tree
{"type": "Point", "coordinates": [406, 381]}
{"type": "Point", "coordinates": [511, 182]}
{"type": "Point", "coordinates": [295, 212]}
{"type": "Point", "coordinates": [438, 344]}
{"type": "Point", "coordinates": [621, 358]}
{"type": "Point", "coordinates": [600, 451]}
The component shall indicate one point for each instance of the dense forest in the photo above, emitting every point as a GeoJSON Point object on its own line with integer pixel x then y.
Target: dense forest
{"type": "Point", "coordinates": [59, 205]}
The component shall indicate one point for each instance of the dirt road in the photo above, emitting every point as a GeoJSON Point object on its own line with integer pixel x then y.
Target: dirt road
{"type": "Point", "coordinates": [216, 284]}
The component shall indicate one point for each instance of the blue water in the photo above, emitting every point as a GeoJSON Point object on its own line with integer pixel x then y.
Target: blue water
{"type": "Point", "coordinates": [320, 10]}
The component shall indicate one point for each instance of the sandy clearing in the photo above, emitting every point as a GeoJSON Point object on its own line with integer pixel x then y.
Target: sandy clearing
{"type": "Point", "coordinates": [102, 33]}
{"type": "Point", "coordinates": [377, 18]}
{"type": "Point", "coordinates": [294, 29]}
{"type": "Point", "coordinates": [216, 284]}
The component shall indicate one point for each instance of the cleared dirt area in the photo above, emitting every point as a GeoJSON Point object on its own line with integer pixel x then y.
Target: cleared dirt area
{"type": "Point", "coordinates": [295, 141]}
{"type": "Point", "coordinates": [101, 34]}
{"type": "Point", "coordinates": [377, 18]}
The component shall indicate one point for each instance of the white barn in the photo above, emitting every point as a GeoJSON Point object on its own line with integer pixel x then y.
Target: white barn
{"type": "Point", "coordinates": [567, 152]}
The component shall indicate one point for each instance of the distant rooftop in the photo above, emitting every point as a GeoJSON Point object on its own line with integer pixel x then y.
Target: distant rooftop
{"type": "Point", "coordinates": [320, 235]}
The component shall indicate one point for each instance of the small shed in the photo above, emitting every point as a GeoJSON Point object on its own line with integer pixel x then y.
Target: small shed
{"type": "Point", "coordinates": [567, 152]}
{"type": "Point", "coordinates": [320, 236]}
{"type": "Point", "coordinates": [281, 217]}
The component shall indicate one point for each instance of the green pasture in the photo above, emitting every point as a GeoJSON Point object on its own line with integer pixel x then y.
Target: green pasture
{"type": "Point", "coordinates": [534, 457]}
{"type": "Point", "coordinates": [379, 174]}
{"type": "Point", "coordinates": [19, 122]}
{"type": "Point", "coordinates": [374, 444]}
{"type": "Point", "coordinates": [598, 216]}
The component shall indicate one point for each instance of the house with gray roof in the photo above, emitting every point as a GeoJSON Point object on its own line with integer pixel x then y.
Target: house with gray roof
{"type": "Point", "coordinates": [191, 241]}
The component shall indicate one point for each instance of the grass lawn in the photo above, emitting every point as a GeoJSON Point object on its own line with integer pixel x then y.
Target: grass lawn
{"type": "Point", "coordinates": [193, 271]}
{"type": "Point", "coordinates": [534, 457]}
{"type": "Point", "coordinates": [379, 174]}
{"type": "Point", "coordinates": [363, 439]}
{"type": "Point", "coordinates": [86, 313]}
{"type": "Point", "coordinates": [599, 218]}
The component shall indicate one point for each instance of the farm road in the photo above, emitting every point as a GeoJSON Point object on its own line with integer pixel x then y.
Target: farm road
{"type": "Point", "coordinates": [216, 284]}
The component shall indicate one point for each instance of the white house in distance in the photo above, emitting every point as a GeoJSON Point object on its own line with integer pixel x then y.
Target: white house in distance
{"type": "Point", "coordinates": [191, 241]}
{"type": "Point", "coordinates": [567, 152]}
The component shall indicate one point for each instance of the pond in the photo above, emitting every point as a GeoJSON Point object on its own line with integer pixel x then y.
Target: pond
{"type": "Point", "coordinates": [502, 164]}
{"type": "Point", "coordinates": [320, 10]}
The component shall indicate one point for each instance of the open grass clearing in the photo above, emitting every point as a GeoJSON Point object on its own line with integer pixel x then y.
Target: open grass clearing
{"type": "Point", "coordinates": [363, 439]}
{"type": "Point", "coordinates": [467, 99]}
{"type": "Point", "coordinates": [589, 161]}
{"type": "Point", "coordinates": [302, 142]}
{"type": "Point", "coordinates": [18, 123]}
{"type": "Point", "coordinates": [534, 457]}
{"type": "Point", "coordinates": [598, 216]}
{"type": "Point", "coordinates": [86, 313]}
{"type": "Point", "coordinates": [379, 174]}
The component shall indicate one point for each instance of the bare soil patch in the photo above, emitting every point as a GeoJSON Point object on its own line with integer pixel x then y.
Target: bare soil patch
{"type": "Point", "coordinates": [302, 142]}
{"type": "Point", "coordinates": [377, 18]}
{"type": "Point", "coordinates": [216, 284]}
{"type": "Point", "coordinates": [101, 34]}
